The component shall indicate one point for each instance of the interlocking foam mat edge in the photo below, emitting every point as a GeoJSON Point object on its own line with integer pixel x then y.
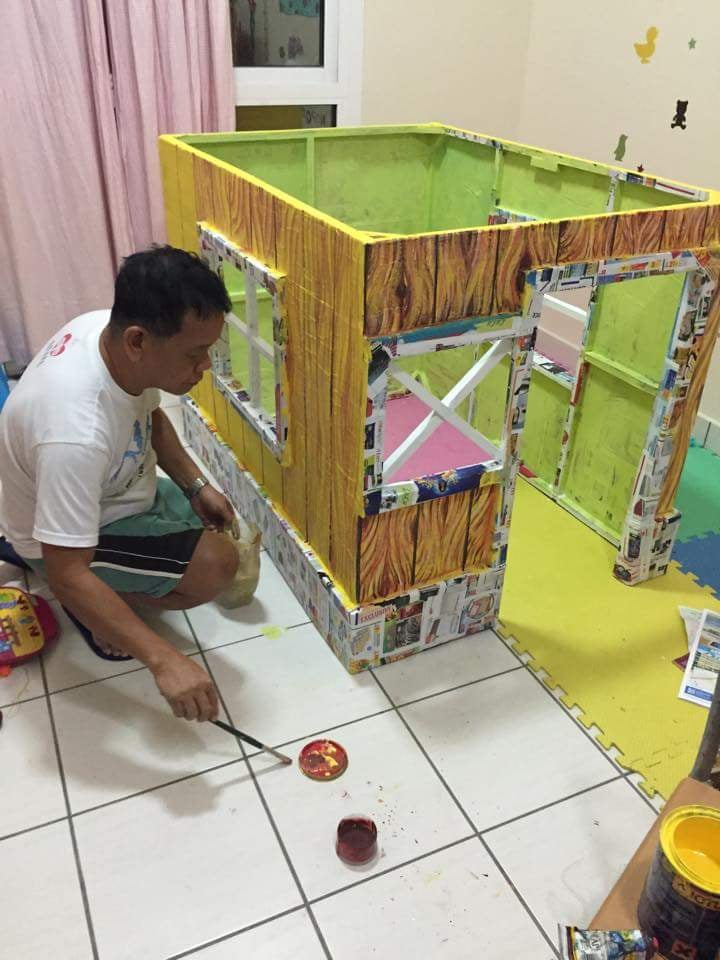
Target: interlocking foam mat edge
{"type": "Point", "coordinates": [603, 648]}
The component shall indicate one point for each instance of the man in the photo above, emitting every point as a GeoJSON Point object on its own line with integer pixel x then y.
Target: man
{"type": "Point", "coordinates": [80, 438]}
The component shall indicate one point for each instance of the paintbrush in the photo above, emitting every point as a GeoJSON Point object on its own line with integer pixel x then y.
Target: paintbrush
{"type": "Point", "coordinates": [251, 740]}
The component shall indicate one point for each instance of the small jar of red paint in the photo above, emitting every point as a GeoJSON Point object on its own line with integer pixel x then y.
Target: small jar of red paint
{"type": "Point", "coordinates": [356, 839]}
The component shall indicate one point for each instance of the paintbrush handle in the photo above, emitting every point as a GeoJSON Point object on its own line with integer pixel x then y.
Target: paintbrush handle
{"type": "Point", "coordinates": [238, 733]}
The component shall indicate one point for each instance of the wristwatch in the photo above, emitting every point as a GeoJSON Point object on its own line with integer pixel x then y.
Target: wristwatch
{"type": "Point", "coordinates": [195, 487]}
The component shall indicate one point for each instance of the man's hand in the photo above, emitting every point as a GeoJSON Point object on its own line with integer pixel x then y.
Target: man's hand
{"type": "Point", "coordinates": [213, 508]}
{"type": "Point", "coordinates": [186, 687]}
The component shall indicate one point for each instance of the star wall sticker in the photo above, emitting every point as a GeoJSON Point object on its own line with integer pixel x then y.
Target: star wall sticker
{"type": "Point", "coordinates": [692, 42]}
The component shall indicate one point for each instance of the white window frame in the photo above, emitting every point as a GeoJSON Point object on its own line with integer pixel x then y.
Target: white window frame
{"type": "Point", "coordinates": [215, 249]}
{"type": "Point", "coordinates": [444, 410]}
{"type": "Point", "coordinates": [337, 82]}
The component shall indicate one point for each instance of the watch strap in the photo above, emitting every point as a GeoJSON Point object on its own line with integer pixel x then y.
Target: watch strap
{"type": "Point", "coordinates": [195, 487]}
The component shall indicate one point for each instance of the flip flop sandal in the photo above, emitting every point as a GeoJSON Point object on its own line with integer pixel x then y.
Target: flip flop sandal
{"type": "Point", "coordinates": [8, 554]}
{"type": "Point", "coordinates": [89, 640]}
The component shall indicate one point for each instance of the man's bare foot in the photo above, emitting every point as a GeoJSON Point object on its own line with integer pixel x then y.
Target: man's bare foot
{"type": "Point", "coordinates": [108, 648]}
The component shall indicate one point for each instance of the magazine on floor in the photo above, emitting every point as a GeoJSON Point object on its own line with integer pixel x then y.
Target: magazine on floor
{"type": "Point", "coordinates": [703, 666]}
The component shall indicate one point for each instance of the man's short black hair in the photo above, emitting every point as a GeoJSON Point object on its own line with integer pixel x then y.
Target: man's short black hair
{"type": "Point", "coordinates": [156, 288]}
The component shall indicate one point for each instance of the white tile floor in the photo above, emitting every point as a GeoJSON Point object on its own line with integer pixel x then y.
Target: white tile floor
{"type": "Point", "coordinates": [126, 834]}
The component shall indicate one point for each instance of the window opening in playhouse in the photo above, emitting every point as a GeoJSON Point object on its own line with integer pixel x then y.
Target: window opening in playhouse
{"type": "Point", "coordinates": [249, 359]}
{"type": "Point", "coordinates": [250, 328]}
{"type": "Point", "coordinates": [438, 411]}
{"type": "Point", "coordinates": [562, 327]}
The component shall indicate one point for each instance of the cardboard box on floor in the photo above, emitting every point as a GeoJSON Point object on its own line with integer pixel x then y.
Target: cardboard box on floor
{"type": "Point", "coordinates": [619, 911]}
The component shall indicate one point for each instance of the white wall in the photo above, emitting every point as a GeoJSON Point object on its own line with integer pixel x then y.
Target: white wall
{"type": "Point", "coordinates": [584, 84]}
{"type": "Point", "coordinates": [458, 62]}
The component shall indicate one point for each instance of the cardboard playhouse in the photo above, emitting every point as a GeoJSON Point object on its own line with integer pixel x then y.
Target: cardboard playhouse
{"type": "Point", "coordinates": [368, 397]}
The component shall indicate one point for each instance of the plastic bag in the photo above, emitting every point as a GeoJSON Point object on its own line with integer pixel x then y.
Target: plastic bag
{"type": "Point", "coordinates": [247, 539]}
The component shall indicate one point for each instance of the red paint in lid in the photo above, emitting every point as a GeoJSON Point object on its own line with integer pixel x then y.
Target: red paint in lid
{"type": "Point", "coordinates": [323, 760]}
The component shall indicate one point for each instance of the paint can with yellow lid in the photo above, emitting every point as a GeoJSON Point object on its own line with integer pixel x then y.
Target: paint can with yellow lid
{"type": "Point", "coordinates": [680, 905]}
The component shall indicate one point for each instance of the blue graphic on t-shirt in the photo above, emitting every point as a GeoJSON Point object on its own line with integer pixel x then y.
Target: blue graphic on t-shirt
{"type": "Point", "coordinates": [136, 449]}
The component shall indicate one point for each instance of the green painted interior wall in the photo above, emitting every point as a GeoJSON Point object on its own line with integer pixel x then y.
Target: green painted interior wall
{"type": "Point", "coordinates": [608, 436]}
{"type": "Point", "coordinates": [544, 424]}
{"type": "Point", "coordinates": [411, 180]}
{"type": "Point", "coordinates": [234, 282]}
{"type": "Point", "coordinates": [463, 176]}
{"type": "Point", "coordinates": [381, 184]}
{"type": "Point", "coordinates": [634, 196]}
{"type": "Point", "coordinates": [632, 323]}
{"type": "Point", "coordinates": [281, 163]}
{"type": "Point", "coordinates": [543, 194]}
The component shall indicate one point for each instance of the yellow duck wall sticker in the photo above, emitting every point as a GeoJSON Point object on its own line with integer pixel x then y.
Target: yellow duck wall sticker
{"type": "Point", "coordinates": [647, 49]}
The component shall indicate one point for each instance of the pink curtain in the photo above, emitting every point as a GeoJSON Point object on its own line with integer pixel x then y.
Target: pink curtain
{"type": "Point", "coordinates": [172, 66]}
{"type": "Point", "coordinates": [80, 188]}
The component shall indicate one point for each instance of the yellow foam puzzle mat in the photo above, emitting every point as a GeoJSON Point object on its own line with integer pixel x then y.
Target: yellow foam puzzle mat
{"type": "Point", "coordinates": [608, 647]}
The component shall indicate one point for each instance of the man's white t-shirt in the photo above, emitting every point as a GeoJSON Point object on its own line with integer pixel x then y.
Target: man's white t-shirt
{"type": "Point", "coordinates": [75, 450]}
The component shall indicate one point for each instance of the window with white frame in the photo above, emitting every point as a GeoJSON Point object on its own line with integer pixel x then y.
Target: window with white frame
{"type": "Point", "coordinates": [249, 359]}
{"type": "Point", "coordinates": [440, 411]}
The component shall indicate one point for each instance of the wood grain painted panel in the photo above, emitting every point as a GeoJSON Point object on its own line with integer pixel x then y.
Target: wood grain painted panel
{"type": "Point", "coordinates": [252, 445]}
{"type": "Point", "coordinates": [638, 233]}
{"type": "Point", "coordinates": [399, 285]}
{"type": "Point", "coordinates": [712, 227]}
{"type": "Point", "coordinates": [387, 547]}
{"type": "Point", "coordinates": [221, 415]}
{"type": "Point", "coordinates": [684, 229]}
{"type": "Point", "coordinates": [168, 168]}
{"type": "Point", "coordinates": [482, 525]}
{"type": "Point", "coordinates": [262, 218]}
{"type": "Point", "coordinates": [442, 535]}
{"type": "Point", "coordinates": [186, 195]}
{"type": "Point", "coordinates": [237, 435]}
{"type": "Point", "coordinates": [236, 208]}
{"type": "Point", "coordinates": [317, 344]}
{"type": "Point", "coordinates": [586, 240]}
{"type": "Point", "coordinates": [521, 247]}
{"type": "Point", "coordinates": [465, 274]}
{"type": "Point", "coordinates": [272, 475]}
{"type": "Point", "coordinates": [204, 205]}
{"type": "Point", "coordinates": [348, 396]}
{"type": "Point", "coordinates": [294, 479]}
{"type": "Point", "coordinates": [290, 241]}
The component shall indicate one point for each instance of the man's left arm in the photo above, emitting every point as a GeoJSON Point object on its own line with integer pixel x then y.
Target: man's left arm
{"type": "Point", "coordinates": [211, 506]}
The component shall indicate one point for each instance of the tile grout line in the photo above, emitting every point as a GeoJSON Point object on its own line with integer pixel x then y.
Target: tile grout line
{"type": "Point", "coordinates": [286, 743]}
{"type": "Point", "coordinates": [71, 825]}
{"type": "Point", "coordinates": [37, 826]}
{"type": "Point", "coordinates": [389, 709]}
{"type": "Point", "coordinates": [469, 820]}
{"type": "Point", "coordinates": [235, 933]}
{"type": "Point", "coordinates": [553, 803]}
{"type": "Point", "coordinates": [255, 636]}
{"type": "Point", "coordinates": [123, 673]}
{"type": "Point", "coordinates": [388, 870]}
{"type": "Point", "coordinates": [15, 703]}
{"type": "Point", "coordinates": [579, 725]}
{"type": "Point", "coordinates": [159, 786]}
{"type": "Point", "coordinates": [266, 807]}
{"type": "Point", "coordinates": [559, 702]}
